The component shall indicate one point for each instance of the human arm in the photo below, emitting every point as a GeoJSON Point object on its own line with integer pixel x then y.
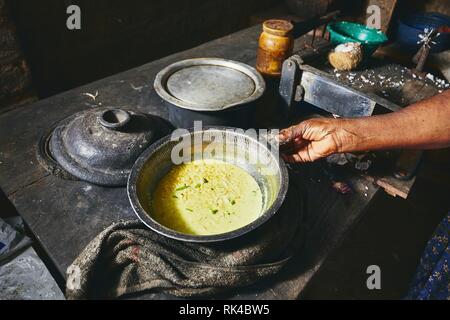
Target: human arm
{"type": "Point", "coordinates": [423, 125]}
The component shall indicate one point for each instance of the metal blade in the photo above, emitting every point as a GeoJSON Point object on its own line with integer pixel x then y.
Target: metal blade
{"type": "Point", "coordinates": [322, 91]}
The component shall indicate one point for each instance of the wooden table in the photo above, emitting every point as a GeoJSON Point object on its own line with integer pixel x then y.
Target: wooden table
{"type": "Point", "coordinates": [65, 215]}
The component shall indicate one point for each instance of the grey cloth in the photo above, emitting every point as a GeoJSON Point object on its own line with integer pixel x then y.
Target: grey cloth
{"type": "Point", "coordinates": [128, 258]}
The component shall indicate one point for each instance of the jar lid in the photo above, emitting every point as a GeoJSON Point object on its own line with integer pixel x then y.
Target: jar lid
{"type": "Point", "coordinates": [278, 27]}
{"type": "Point", "coordinates": [101, 145]}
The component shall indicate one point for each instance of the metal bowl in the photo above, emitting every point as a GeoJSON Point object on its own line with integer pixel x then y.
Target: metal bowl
{"type": "Point", "coordinates": [236, 147]}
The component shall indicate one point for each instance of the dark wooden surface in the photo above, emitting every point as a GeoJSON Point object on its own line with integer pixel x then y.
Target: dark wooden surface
{"type": "Point", "coordinates": [65, 215]}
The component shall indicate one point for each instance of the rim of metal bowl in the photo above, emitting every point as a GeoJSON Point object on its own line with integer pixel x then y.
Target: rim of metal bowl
{"type": "Point", "coordinates": [157, 227]}
{"type": "Point", "coordinates": [163, 75]}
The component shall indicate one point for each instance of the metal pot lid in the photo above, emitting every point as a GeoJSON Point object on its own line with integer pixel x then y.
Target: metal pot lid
{"type": "Point", "coordinates": [101, 145]}
{"type": "Point", "coordinates": [209, 84]}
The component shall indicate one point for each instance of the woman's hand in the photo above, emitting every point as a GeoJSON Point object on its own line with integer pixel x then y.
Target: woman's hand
{"type": "Point", "coordinates": [424, 125]}
{"type": "Point", "coordinates": [315, 139]}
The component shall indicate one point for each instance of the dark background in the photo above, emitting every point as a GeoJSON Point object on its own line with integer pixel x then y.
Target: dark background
{"type": "Point", "coordinates": [117, 35]}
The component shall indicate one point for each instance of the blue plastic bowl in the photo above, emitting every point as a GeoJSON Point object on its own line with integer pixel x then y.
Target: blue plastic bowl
{"type": "Point", "coordinates": [409, 28]}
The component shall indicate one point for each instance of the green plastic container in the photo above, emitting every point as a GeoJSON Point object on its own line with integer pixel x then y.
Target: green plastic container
{"type": "Point", "coordinates": [343, 32]}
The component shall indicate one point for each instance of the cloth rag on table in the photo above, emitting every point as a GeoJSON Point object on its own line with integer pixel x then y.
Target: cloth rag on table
{"type": "Point", "coordinates": [127, 258]}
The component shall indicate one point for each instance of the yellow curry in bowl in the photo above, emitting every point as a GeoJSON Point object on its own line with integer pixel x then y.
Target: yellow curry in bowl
{"type": "Point", "coordinates": [206, 197]}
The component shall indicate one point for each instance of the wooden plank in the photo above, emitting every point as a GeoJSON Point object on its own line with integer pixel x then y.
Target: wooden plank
{"type": "Point", "coordinates": [395, 187]}
{"type": "Point", "coordinates": [19, 127]}
{"type": "Point", "coordinates": [65, 215]}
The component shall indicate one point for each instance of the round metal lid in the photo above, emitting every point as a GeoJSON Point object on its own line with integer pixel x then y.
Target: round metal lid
{"type": "Point", "coordinates": [101, 145]}
{"type": "Point", "coordinates": [209, 84]}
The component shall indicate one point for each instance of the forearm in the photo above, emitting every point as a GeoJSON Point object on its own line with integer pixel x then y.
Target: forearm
{"type": "Point", "coordinates": [424, 125]}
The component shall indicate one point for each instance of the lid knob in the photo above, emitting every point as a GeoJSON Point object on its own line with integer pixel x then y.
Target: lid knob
{"type": "Point", "coordinates": [114, 119]}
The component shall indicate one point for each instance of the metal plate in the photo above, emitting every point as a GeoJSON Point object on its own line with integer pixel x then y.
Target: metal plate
{"type": "Point", "coordinates": [209, 84]}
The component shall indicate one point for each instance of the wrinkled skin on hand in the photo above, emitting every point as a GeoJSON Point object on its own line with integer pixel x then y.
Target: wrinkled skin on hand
{"type": "Point", "coordinates": [313, 139]}
{"type": "Point", "coordinates": [423, 125]}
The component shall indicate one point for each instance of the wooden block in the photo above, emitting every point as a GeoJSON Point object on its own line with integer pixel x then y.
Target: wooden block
{"type": "Point", "coordinates": [395, 187]}
{"type": "Point", "coordinates": [407, 164]}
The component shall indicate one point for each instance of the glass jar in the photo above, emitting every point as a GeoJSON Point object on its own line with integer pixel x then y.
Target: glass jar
{"type": "Point", "coordinates": [275, 45]}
